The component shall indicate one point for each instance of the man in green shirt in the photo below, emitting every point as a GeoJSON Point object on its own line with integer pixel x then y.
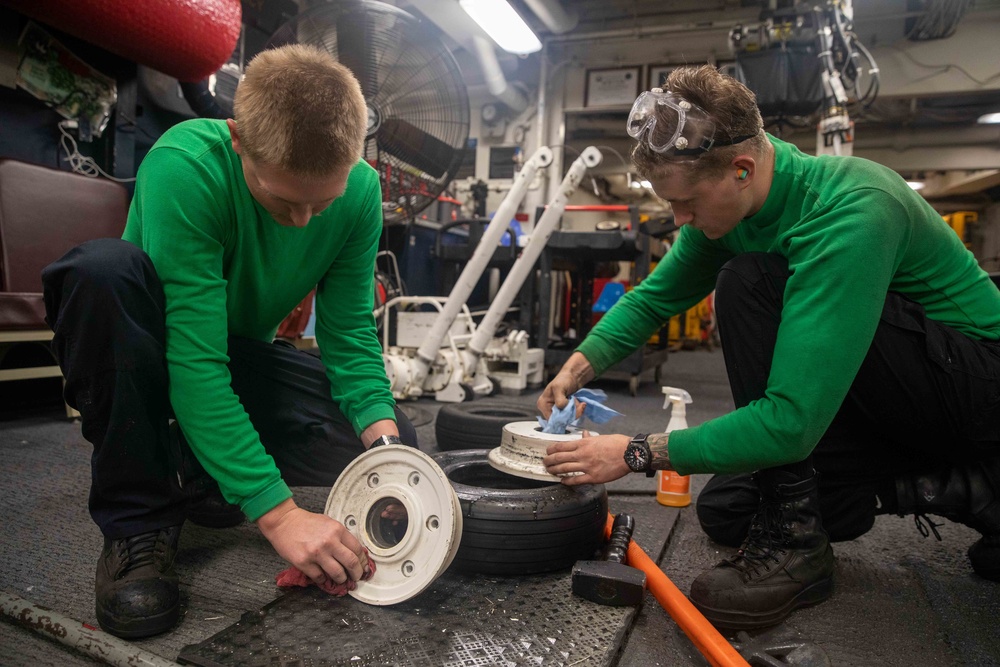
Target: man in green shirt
{"type": "Point", "coordinates": [862, 342]}
{"type": "Point", "coordinates": [231, 225]}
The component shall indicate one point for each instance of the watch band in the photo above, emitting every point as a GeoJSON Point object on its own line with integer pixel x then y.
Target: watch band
{"type": "Point", "coordinates": [386, 440]}
{"type": "Point", "coordinates": [645, 442]}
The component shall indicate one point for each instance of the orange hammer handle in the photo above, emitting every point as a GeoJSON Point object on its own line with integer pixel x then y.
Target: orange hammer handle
{"type": "Point", "coordinates": [702, 634]}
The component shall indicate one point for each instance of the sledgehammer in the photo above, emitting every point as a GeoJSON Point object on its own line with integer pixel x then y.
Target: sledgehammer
{"type": "Point", "coordinates": [609, 581]}
{"type": "Point", "coordinates": [702, 634]}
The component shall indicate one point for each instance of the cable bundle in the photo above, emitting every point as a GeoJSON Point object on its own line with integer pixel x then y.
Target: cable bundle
{"type": "Point", "coordinates": [939, 20]}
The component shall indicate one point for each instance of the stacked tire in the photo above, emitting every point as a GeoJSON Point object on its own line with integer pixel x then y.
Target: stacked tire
{"type": "Point", "coordinates": [514, 526]}
{"type": "Point", "coordinates": [478, 424]}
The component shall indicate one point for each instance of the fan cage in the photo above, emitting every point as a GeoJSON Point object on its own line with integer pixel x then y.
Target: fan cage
{"type": "Point", "coordinates": [417, 100]}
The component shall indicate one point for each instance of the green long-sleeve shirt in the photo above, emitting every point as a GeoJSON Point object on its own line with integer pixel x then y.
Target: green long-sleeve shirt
{"type": "Point", "coordinates": [228, 268]}
{"type": "Point", "coordinates": [851, 230]}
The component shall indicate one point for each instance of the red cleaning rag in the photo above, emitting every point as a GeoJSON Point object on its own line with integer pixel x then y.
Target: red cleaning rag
{"type": "Point", "coordinates": [293, 578]}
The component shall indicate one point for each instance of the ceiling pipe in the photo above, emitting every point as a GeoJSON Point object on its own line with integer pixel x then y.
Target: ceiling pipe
{"type": "Point", "coordinates": [460, 27]}
{"type": "Point", "coordinates": [542, 101]}
{"type": "Point", "coordinates": [496, 82]}
{"type": "Point", "coordinates": [688, 24]}
{"type": "Point", "coordinates": [553, 15]}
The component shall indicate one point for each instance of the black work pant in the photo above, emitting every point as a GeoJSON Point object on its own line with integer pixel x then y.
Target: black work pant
{"type": "Point", "coordinates": [106, 306]}
{"type": "Point", "coordinates": [926, 397]}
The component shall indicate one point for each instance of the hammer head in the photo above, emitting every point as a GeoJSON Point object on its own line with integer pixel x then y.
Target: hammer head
{"type": "Point", "coordinates": [609, 583]}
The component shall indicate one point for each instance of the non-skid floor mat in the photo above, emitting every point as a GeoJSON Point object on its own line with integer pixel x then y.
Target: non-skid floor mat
{"type": "Point", "coordinates": [461, 620]}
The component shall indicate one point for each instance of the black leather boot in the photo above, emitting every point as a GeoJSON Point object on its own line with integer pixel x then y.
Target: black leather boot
{"type": "Point", "coordinates": [968, 494]}
{"type": "Point", "coordinates": [136, 584]}
{"type": "Point", "coordinates": [205, 504]}
{"type": "Point", "coordinates": [784, 563]}
{"type": "Point", "coordinates": [211, 510]}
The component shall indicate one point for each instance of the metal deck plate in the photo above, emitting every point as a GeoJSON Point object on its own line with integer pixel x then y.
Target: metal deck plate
{"type": "Point", "coordinates": [461, 620]}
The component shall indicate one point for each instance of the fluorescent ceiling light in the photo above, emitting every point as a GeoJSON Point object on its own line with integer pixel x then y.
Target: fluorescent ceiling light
{"type": "Point", "coordinates": [989, 118]}
{"type": "Point", "coordinates": [916, 185]}
{"type": "Point", "coordinates": [503, 24]}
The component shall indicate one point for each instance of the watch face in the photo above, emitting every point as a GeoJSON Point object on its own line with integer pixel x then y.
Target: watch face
{"type": "Point", "coordinates": [637, 456]}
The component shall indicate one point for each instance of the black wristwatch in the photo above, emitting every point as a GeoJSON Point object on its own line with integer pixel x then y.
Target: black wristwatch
{"type": "Point", "coordinates": [638, 457]}
{"type": "Point", "coordinates": [386, 440]}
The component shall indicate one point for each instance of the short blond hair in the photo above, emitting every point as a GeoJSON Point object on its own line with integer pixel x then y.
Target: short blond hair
{"type": "Point", "coordinates": [297, 108]}
{"type": "Point", "coordinates": [731, 105]}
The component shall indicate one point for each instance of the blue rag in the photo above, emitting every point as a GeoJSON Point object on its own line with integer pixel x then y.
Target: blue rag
{"type": "Point", "coordinates": [594, 410]}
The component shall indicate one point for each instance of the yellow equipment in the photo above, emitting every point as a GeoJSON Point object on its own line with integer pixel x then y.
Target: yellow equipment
{"type": "Point", "coordinates": [959, 221]}
{"type": "Point", "coordinates": [694, 328]}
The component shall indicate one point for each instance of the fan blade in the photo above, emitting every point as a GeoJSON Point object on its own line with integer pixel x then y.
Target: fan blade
{"type": "Point", "coordinates": [416, 147]}
{"type": "Point", "coordinates": [355, 40]}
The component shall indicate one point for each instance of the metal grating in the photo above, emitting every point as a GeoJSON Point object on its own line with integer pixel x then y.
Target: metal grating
{"type": "Point", "coordinates": [460, 621]}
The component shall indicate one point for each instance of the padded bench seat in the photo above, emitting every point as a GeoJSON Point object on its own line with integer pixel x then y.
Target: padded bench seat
{"type": "Point", "coordinates": [43, 213]}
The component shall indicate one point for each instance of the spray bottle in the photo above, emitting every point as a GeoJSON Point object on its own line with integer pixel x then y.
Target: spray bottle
{"type": "Point", "coordinates": [673, 489]}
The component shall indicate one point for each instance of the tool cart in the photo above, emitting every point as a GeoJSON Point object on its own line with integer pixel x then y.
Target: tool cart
{"type": "Point", "coordinates": [581, 254]}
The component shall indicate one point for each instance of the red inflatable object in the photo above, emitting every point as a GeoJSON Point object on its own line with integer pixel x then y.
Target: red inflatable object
{"type": "Point", "coordinates": [187, 39]}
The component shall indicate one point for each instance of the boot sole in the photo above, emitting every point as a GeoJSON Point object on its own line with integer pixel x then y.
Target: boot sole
{"type": "Point", "coordinates": [138, 628]}
{"type": "Point", "coordinates": [734, 620]}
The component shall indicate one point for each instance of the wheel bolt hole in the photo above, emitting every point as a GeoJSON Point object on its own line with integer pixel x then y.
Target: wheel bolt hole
{"type": "Point", "coordinates": [408, 568]}
{"type": "Point", "coordinates": [414, 478]}
{"type": "Point", "coordinates": [373, 479]}
{"type": "Point", "coordinates": [433, 523]}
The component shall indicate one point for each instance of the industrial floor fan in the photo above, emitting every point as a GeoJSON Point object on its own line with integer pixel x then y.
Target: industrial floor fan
{"type": "Point", "coordinates": [418, 106]}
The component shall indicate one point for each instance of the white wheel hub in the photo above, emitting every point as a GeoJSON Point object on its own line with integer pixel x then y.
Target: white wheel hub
{"type": "Point", "coordinates": [522, 447]}
{"type": "Point", "coordinates": [410, 550]}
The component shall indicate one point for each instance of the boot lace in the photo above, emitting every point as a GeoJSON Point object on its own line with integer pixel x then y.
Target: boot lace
{"type": "Point", "coordinates": [765, 542]}
{"type": "Point", "coordinates": [931, 527]}
{"type": "Point", "coordinates": [137, 551]}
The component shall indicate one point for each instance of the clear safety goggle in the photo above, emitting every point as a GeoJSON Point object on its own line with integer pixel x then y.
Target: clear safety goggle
{"type": "Point", "coordinates": [671, 125]}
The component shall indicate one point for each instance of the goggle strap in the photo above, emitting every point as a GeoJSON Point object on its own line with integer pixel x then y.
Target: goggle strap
{"type": "Point", "coordinates": [704, 149]}
{"type": "Point", "coordinates": [736, 140]}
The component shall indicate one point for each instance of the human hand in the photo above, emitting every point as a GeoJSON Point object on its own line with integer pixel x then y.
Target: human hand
{"type": "Point", "coordinates": [574, 374]}
{"type": "Point", "coordinates": [601, 458]}
{"type": "Point", "coordinates": [394, 512]}
{"type": "Point", "coordinates": [321, 548]}
{"type": "Point", "coordinates": [556, 394]}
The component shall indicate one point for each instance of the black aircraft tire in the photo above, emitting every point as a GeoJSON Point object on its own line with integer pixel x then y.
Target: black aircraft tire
{"type": "Point", "coordinates": [516, 526]}
{"type": "Point", "coordinates": [477, 424]}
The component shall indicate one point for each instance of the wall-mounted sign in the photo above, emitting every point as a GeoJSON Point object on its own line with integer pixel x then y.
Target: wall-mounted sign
{"type": "Point", "coordinates": [617, 86]}
{"type": "Point", "coordinates": [658, 74]}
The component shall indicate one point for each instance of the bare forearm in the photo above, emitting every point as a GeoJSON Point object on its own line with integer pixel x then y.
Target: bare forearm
{"type": "Point", "coordinates": [579, 369]}
{"type": "Point", "coordinates": [270, 520]}
{"type": "Point", "coordinates": [660, 453]}
{"type": "Point", "coordinates": [379, 428]}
